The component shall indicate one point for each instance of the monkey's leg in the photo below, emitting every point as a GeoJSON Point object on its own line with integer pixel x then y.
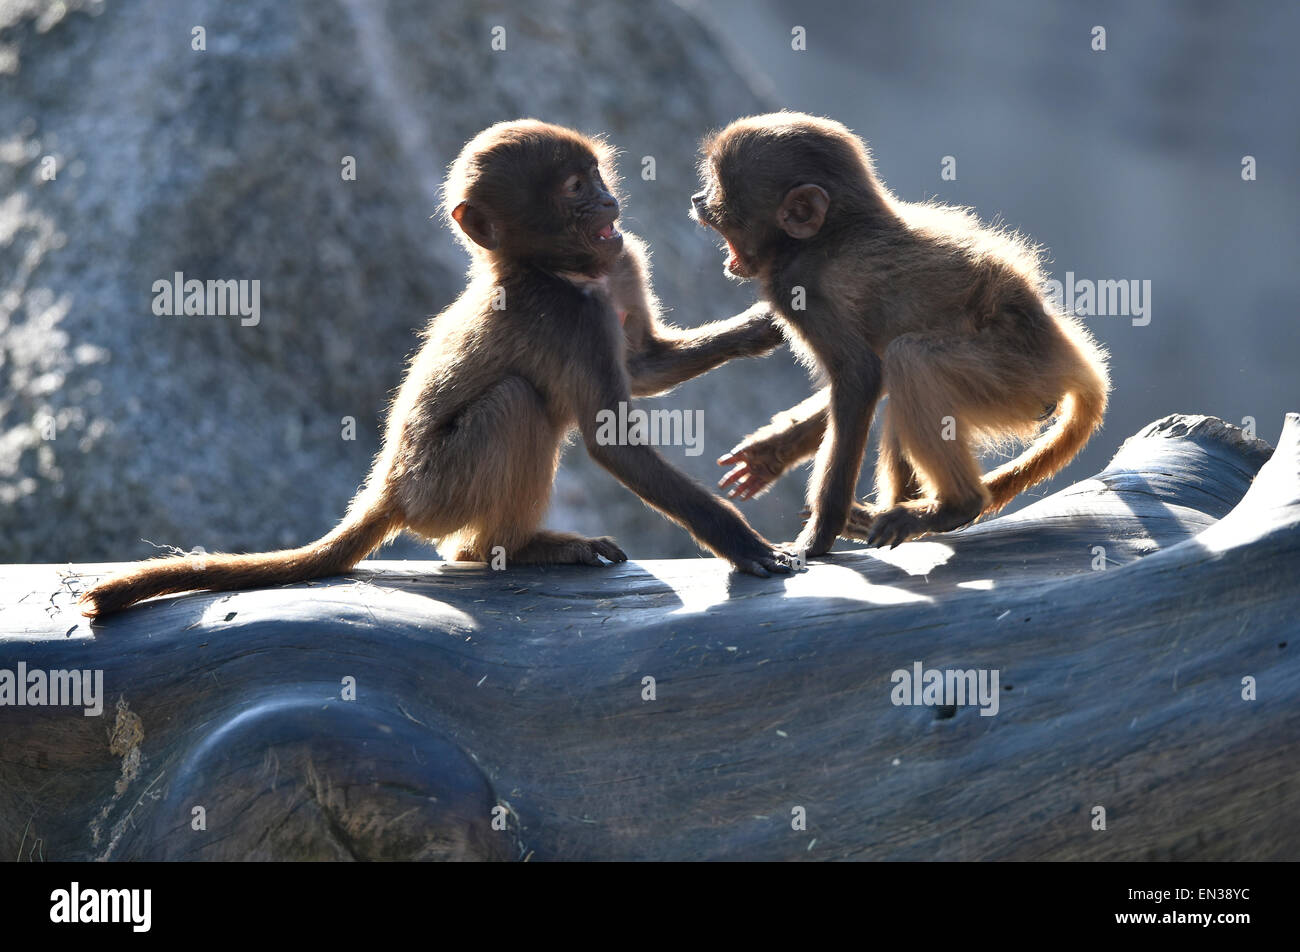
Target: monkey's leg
{"type": "Point", "coordinates": [483, 479]}
{"type": "Point", "coordinates": [855, 388]}
{"type": "Point", "coordinates": [896, 481]}
{"type": "Point", "coordinates": [677, 356]}
{"type": "Point", "coordinates": [926, 410]}
{"type": "Point", "coordinates": [496, 461]}
{"type": "Point", "coordinates": [896, 478]}
{"type": "Point", "coordinates": [764, 456]}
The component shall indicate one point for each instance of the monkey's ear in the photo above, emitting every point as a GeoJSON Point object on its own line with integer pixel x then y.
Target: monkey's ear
{"type": "Point", "coordinates": [478, 226]}
{"type": "Point", "coordinates": [803, 211]}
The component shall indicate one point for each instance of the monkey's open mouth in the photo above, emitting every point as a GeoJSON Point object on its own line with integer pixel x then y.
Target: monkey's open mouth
{"type": "Point", "coordinates": [735, 263]}
{"type": "Point", "coordinates": [608, 233]}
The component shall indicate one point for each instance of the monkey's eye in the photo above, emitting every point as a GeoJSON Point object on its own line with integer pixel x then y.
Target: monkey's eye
{"type": "Point", "coordinates": [573, 184]}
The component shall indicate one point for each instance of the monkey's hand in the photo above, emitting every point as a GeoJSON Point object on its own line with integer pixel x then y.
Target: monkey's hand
{"type": "Point", "coordinates": [755, 464]}
{"type": "Point", "coordinates": [765, 332]}
{"type": "Point", "coordinates": [764, 561]}
{"type": "Point", "coordinates": [767, 453]}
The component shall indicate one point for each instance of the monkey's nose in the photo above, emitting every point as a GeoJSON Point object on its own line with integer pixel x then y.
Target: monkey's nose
{"type": "Point", "coordinates": [698, 199]}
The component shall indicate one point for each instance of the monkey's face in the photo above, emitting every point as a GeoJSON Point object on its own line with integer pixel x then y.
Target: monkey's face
{"type": "Point", "coordinates": [588, 208]}
{"type": "Point", "coordinates": [756, 214]}
{"type": "Point", "coordinates": [767, 185]}
{"type": "Point", "coordinates": [713, 208]}
{"type": "Point", "coordinates": [539, 194]}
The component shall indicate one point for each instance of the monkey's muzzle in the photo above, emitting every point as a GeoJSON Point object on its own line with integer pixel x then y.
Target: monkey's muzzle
{"type": "Point", "coordinates": [700, 210]}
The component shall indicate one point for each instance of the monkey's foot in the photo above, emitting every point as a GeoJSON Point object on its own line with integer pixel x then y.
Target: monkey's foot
{"type": "Point", "coordinates": [562, 548]}
{"type": "Point", "coordinates": [919, 517]}
{"type": "Point", "coordinates": [812, 541]}
{"type": "Point", "coordinates": [861, 519]}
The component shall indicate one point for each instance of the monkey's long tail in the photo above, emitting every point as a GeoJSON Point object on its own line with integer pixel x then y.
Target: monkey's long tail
{"type": "Point", "coordinates": [351, 541]}
{"type": "Point", "coordinates": [1084, 408]}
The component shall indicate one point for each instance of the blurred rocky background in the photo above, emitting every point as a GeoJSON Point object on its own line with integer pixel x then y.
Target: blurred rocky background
{"type": "Point", "coordinates": [126, 156]}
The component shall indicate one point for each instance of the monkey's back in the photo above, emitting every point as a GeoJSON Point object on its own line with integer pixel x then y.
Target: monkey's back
{"type": "Point", "coordinates": [940, 271]}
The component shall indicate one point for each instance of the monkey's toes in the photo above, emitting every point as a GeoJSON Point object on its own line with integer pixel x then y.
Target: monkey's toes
{"type": "Point", "coordinates": [751, 567]}
{"type": "Point", "coordinates": [606, 546]}
{"type": "Point", "coordinates": [859, 524]}
{"type": "Point", "coordinates": [891, 528]}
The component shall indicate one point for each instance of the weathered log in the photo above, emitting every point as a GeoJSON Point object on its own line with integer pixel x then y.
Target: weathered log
{"type": "Point", "coordinates": [1121, 615]}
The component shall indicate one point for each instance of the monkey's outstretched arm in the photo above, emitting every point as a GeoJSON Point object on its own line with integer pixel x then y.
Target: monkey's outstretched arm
{"type": "Point", "coordinates": [668, 357]}
{"type": "Point", "coordinates": [762, 457]}
{"type": "Point", "coordinates": [716, 524]}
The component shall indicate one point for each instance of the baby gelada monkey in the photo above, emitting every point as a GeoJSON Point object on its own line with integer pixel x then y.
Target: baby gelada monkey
{"type": "Point", "coordinates": [918, 301]}
{"type": "Point", "coordinates": [558, 323]}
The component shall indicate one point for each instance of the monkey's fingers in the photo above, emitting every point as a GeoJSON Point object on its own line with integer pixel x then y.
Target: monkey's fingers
{"type": "Point", "coordinates": [764, 563]}
{"type": "Point", "coordinates": [748, 483]}
{"type": "Point", "coordinates": [751, 487]}
{"type": "Point", "coordinates": [737, 473]}
{"type": "Point", "coordinates": [778, 563]}
{"type": "Point", "coordinates": [751, 475]}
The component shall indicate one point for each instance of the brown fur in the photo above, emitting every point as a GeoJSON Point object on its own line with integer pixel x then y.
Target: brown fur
{"type": "Point", "coordinates": [475, 433]}
{"type": "Point", "coordinates": [917, 301]}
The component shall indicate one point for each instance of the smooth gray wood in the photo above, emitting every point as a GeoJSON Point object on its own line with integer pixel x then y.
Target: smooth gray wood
{"type": "Point", "coordinates": [1119, 687]}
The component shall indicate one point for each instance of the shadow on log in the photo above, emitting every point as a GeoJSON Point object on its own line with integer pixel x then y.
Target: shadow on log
{"type": "Point", "coordinates": [1142, 625]}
